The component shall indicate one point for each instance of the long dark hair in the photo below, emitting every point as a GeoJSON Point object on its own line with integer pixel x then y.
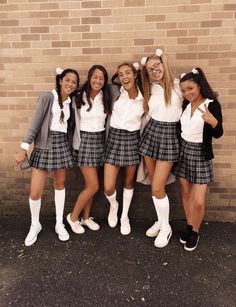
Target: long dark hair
{"type": "Point", "coordinates": [59, 77]}
{"type": "Point", "coordinates": [138, 79]}
{"type": "Point", "coordinates": [200, 79]}
{"type": "Point", "coordinates": [86, 88]}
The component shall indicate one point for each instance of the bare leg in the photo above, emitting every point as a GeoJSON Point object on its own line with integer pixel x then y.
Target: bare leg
{"type": "Point", "coordinates": [186, 188]}
{"type": "Point", "coordinates": [198, 197]}
{"type": "Point", "coordinates": [91, 186]}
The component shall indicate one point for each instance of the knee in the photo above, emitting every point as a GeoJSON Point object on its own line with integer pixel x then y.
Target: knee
{"type": "Point", "coordinates": [129, 183]}
{"type": "Point", "coordinates": [158, 192]}
{"type": "Point", "coordinates": [35, 195]}
{"type": "Point", "coordinates": [59, 184]}
{"type": "Point", "coordinates": [93, 189]}
{"type": "Point", "coordinates": [199, 205]}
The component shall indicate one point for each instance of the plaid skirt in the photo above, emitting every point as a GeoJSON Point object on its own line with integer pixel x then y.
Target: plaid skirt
{"type": "Point", "coordinates": [122, 147]}
{"type": "Point", "coordinates": [192, 165]}
{"type": "Point", "coordinates": [58, 156]}
{"type": "Point", "coordinates": [91, 150]}
{"type": "Point", "coordinates": [159, 141]}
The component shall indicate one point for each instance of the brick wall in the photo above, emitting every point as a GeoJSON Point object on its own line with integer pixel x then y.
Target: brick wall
{"type": "Point", "coordinates": [37, 36]}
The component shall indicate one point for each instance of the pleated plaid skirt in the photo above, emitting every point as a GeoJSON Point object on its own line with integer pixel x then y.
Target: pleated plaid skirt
{"type": "Point", "coordinates": [58, 156]}
{"type": "Point", "coordinates": [192, 165]}
{"type": "Point", "coordinates": [122, 147]}
{"type": "Point", "coordinates": [159, 141]}
{"type": "Point", "coordinates": [91, 150]}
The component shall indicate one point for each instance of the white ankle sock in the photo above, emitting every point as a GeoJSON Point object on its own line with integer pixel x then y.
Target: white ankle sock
{"type": "Point", "coordinates": [112, 199]}
{"type": "Point", "coordinates": [35, 206]}
{"type": "Point", "coordinates": [127, 197]}
{"type": "Point", "coordinates": [59, 204]}
{"type": "Point", "coordinates": [163, 210]}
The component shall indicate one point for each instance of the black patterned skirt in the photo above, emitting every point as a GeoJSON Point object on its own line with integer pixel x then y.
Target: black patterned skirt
{"type": "Point", "coordinates": [91, 150]}
{"type": "Point", "coordinates": [192, 165]}
{"type": "Point", "coordinates": [159, 141]}
{"type": "Point", "coordinates": [122, 147]}
{"type": "Point", "coordinates": [58, 156]}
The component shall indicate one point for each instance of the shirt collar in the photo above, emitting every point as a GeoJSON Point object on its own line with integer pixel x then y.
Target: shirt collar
{"type": "Point", "coordinates": [67, 101]}
{"type": "Point", "coordinates": [124, 92]}
{"type": "Point", "coordinates": [97, 97]}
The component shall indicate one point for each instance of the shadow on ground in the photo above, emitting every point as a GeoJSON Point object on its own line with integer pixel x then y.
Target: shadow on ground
{"type": "Point", "coordinates": [104, 268]}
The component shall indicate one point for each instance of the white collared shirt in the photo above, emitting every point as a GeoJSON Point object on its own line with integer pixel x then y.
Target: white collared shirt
{"type": "Point", "coordinates": [93, 120]}
{"type": "Point", "coordinates": [158, 110]}
{"type": "Point", "coordinates": [192, 126]}
{"type": "Point", "coordinates": [127, 113]}
{"type": "Point", "coordinates": [56, 125]}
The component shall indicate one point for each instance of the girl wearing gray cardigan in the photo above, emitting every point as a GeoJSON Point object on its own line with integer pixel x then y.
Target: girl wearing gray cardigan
{"type": "Point", "coordinates": [48, 132]}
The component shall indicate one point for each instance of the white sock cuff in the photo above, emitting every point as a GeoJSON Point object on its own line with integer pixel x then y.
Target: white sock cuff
{"type": "Point", "coordinates": [111, 197]}
{"type": "Point", "coordinates": [128, 192]}
{"type": "Point", "coordinates": [35, 202]}
{"type": "Point", "coordinates": [163, 202]}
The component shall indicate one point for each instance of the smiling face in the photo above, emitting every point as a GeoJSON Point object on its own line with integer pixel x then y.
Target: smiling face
{"type": "Point", "coordinates": [69, 84]}
{"type": "Point", "coordinates": [155, 69]}
{"type": "Point", "coordinates": [97, 81]}
{"type": "Point", "coordinates": [126, 77]}
{"type": "Point", "coordinates": [191, 91]}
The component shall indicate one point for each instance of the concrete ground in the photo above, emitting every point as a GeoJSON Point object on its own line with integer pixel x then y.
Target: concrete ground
{"type": "Point", "coordinates": [104, 268]}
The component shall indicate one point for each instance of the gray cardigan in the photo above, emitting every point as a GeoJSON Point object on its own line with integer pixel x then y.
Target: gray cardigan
{"type": "Point", "coordinates": [39, 129]}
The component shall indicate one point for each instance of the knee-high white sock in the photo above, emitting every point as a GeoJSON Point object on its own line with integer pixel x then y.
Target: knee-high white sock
{"type": "Point", "coordinates": [112, 200]}
{"type": "Point", "coordinates": [59, 204]}
{"type": "Point", "coordinates": [163, 210]}
{"type": "Point", "coordinates": [156, 208]}
{"type": "Point", "coordinates": [127, 197]}
{"type": "Point", "coordinates": [35, 206]}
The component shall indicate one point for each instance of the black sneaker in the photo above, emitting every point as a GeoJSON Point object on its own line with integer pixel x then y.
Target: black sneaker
{"type": "Point", "coordinates": [192, 241]}
{"type": "Point", "coordinates": [185, 234]}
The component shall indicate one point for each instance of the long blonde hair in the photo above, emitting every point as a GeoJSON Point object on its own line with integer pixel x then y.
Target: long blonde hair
{"type": "Point", "coordinates": [168, 80]}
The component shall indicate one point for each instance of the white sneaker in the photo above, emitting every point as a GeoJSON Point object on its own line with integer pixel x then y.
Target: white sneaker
{"type": "Point", "coordinates": [90, 223]}
{"type": "Point", "coordinates": [112, 216]}
{"type": "Point", "coordinates": [125, 226]}
{"type": "Point", "coordinates": [75, 226]}
{"type": "Point", "coordinates": [33, 234]}
{"type": "Point", "coordinates": [63, 235]}
{"type": "Point", "coordinates": [163, 237]}
{"type": "Point", "coordinates": [153, 231]}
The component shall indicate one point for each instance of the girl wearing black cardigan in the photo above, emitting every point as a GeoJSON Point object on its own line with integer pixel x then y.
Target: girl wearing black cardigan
{"type": "Point", "coordinates": [200, 121]}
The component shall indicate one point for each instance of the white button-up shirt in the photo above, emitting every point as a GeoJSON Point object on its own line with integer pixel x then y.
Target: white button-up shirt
{"type": "Point", "coordinates": [158, 110]}
{"type": "Point", "coordinates": [192, 126]}
{"type": "Point", "coordinates": [127, 113]}
{"type": "Point", "coordinates": [93, 120]}
{"type": "Point", "coordinates": [56, 125]}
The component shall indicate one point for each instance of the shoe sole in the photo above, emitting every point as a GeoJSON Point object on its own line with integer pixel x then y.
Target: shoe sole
{"type": "Point", "coordinates": [182, 241]}
{"type": "Point", "coordinates": [190, 249]}
{"type": "Point", "coordinates": [34, 239]}
{"type": "Point", "coordinates": [66, 238]}
{"type": "Point", "coordinates": [153, 234]}
{"type": "Point", "coordinates": [168, 239]}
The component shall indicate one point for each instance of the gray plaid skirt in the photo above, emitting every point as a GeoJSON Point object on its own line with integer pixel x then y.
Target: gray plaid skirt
{"type": "Point", "coordinates": [159, 141]}
{"type": "Point", "coordinates": [192, 165]}
{"type": "Point", "coordinates": [91, 150]}
{"type": "Point", "coordinates": [58, 156]}
{"type": "Point", "coordinates": [122, 147]}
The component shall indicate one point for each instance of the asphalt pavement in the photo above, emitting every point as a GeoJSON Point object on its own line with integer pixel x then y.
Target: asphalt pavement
{"type": "Point", "coordinates": [104, 268]}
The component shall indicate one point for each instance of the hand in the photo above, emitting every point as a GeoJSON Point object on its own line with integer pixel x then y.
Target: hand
{"type": "Point", "coordinates": [208, 117]}
{"type": "Point", "coordinates": [20, 156]}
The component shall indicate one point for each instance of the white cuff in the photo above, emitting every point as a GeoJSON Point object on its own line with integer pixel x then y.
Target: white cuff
{"type": "Point", "coordinates": [25, 146]}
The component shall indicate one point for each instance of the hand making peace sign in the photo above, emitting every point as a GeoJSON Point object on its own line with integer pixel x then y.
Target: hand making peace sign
{"type": "Point", "coordinates": [208, 117]}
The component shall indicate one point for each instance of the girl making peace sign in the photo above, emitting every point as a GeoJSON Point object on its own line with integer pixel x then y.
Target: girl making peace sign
{"type": "Point", "coordinates": [201, 120]}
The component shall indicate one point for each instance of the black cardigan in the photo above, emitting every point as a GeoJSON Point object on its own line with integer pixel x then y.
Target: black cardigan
{"type": "Point", "coordinates": [208, 132]}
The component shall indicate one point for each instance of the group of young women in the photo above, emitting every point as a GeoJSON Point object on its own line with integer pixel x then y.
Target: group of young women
{"type": "Point", "coordinates": [180, 117]}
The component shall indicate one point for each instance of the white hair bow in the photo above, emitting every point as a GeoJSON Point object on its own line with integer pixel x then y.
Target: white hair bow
{"type": "Point", "coordinates": [59, 71]}
{"type": "Point", "coordinates": [159, 52]}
